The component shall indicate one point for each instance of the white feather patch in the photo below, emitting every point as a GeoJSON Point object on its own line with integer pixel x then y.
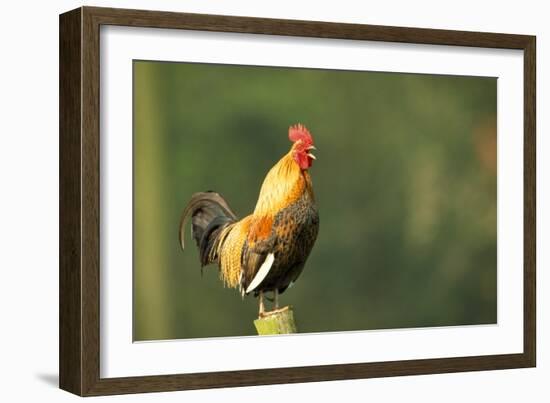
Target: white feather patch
{"type": "Point", "coordinates": [262, 273]}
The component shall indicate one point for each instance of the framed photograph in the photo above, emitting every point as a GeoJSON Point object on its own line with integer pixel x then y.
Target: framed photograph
{"type": "Point", "coordinates": [248, 201]}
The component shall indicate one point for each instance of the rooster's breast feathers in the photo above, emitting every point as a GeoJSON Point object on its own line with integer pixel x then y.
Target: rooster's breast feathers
{"type": "Point", "coordinates": [281, 231]}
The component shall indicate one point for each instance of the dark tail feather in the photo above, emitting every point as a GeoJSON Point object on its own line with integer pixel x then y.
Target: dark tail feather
{"type": "Point", "coordinates": [209, 214]}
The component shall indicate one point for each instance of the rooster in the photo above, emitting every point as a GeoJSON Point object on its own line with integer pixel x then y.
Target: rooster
{"type": "Point", "coordinates": [265, 251]}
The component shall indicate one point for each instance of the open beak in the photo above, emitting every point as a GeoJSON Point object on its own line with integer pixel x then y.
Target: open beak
{"type": "Point", "coordinates": [310, 155]}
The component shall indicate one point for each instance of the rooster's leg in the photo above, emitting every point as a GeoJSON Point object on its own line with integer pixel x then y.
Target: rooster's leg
{"type": "Point", "coordinates": [261, 297]}
{"type": "Point", "coordinates": [276, 298]}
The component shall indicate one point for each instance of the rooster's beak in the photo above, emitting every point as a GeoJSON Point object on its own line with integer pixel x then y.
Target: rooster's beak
{"type": "Point", "coordinates": [310, 155]}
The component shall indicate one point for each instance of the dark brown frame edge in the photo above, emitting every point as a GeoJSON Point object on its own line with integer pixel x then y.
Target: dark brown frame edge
{"type": "Point", "coordinates": [79, 201]}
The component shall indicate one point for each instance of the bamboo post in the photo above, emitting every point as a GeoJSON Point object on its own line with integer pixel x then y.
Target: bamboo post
{"type": "Point", "coordinates": [280, 321]}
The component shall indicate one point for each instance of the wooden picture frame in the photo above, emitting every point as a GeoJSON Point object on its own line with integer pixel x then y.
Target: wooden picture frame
{"type": "Point", "coordinates": [79, 346]}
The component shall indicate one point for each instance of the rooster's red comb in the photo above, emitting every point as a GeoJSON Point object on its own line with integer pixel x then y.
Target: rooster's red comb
{"type": "Point", "coordinates": [299, 132]}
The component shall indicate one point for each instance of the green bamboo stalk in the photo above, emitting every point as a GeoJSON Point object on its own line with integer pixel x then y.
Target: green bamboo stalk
{"type": "Point", "coordinates": [280, 321]}
{"type": "Point", "coordinates": [151, 307]}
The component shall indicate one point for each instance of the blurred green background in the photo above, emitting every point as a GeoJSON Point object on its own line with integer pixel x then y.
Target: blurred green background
{"type": "Point", "coordinates": [405, 181]}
